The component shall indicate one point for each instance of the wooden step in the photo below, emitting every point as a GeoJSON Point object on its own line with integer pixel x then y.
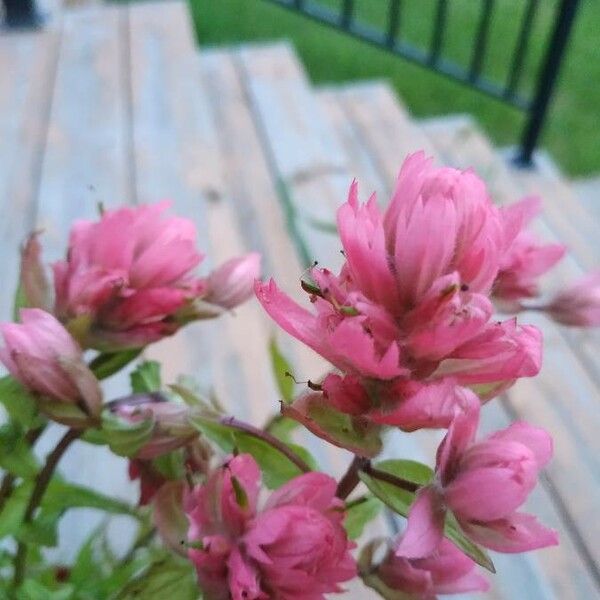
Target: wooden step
{"type": "Point", "coordinates": [538, 575]}
{"type": "Point", "coordinates": [587, 191]}
{"type": "Point", "coordinates": [27, 68]}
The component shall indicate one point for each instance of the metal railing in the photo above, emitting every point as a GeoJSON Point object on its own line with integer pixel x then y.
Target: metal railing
{"type": "Point", "coordinates": [389, 37]}
{"type": "Point", "coordinates": [20, 14]}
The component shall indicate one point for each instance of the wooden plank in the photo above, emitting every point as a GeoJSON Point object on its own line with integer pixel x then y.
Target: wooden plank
{"type": "Point", "coordinates": [565, 214]}
{"type": "Point", "coordinates": [85, 161]}
{"type": "Point", "coordinates": [27, 69]}
{"type": "Point", "coordinates": [309, 167]}
{"type": "Point", "coordinates": [566, 397]}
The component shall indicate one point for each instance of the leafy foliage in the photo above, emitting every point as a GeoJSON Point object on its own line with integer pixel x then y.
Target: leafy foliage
{"type": "Point", "coordinates": [146, 377]}
{"type": "Point", "coordinates": [359, 514]}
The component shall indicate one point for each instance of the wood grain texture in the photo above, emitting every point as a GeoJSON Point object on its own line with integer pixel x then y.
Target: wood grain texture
{"type": "Point", "coordinates": [27, 68]}
{"type": "Point", "coordinates": [85, 161]}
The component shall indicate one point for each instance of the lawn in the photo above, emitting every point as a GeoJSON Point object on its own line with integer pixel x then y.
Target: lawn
{"type": "Point", "coordinates": [571, 133]}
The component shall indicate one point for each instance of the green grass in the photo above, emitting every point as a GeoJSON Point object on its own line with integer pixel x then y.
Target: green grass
{"type": "Point", "coordinates": [571, 132]}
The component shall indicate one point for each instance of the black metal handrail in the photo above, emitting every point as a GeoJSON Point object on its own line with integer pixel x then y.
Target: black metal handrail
{"type": "Point", "coordinates": [390, 38]}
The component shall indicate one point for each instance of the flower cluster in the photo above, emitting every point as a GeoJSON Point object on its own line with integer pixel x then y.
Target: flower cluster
{"type": "Point", "coordinates": [409, 327]}
{"type": "Point", "coordinates": [294, 548]}
{"type": "Point", "coordinates": [409, 318]}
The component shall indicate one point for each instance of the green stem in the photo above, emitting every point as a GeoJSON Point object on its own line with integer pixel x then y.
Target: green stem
{"type": "Point", "coordinates": [41, 485]}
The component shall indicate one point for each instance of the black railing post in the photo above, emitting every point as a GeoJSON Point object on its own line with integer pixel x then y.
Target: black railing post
{"type": "Point", "coordinates": [21, 14]}
{"type": "Point", "coordinates": [546, 81]}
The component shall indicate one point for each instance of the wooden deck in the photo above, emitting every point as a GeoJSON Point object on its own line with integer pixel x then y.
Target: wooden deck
{"type": "Point", "coordinates": [116, 104]}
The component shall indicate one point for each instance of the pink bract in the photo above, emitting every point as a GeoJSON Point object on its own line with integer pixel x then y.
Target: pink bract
{"type": "Point", "coordinates": [295, 547]}
{"type": "Point", "coordinates": [410, 306]}
{"type": "Point", "coordinates": [526, 258]}
{"type": "Point", "coordinates": [483, 483]}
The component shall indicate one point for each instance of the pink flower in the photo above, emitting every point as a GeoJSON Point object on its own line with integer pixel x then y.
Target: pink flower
{"type": "Point", "coordinates": [483, 483]}
{"type": "Point", "coordinates": [233, 282]}
{"type": "Point", "coordinates": [579, 304]}
{"type": "Point", "coordinates": [411, 304]}
{"type": "Point", "coordinates": [128, 279]}
{"type": "Point", "coordinates": [294, 548]}
{"type": "Point", "coordinates": [445, 571]}
{"type": "Point", "coordinates": [526, 259]}
{"type": "Point", "coordinates": [41, 354]}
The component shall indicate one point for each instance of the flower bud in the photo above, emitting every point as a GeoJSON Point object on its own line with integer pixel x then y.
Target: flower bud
{"type": "Point", "coordinates": [446, 571]}
{"type": "Point", "coordinates": [233, 282]}
{"type": "Point", "coordinates": [41, 354]}
{"type": "Point", "coordinates": [147, 426]}
{"type": "Point", "coordinates": [578, 305]}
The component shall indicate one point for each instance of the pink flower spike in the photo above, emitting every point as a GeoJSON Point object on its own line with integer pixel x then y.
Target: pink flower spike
{"type": "Point", "coordinates": [232, 283]}
{"type": "Point", "coordinates": [484, 482]}
{"type": "Point", "coordinates": [294, 548]}
{"type": "Point", "coordinates": [579, 304]}
{"type": "Point", "coordinates": [127, 276]}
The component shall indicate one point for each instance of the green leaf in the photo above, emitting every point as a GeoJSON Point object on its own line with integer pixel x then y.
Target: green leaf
{"type": "Point", "coordinates": [62, 495]}
{"type": "Point", "coordinates": [397, 499]}
{"type": "Point", "coordinates": [146, 377]}
{"type": "Point", "coordinates": [282, 427]}
{"type": "Point", "coordinates": [222, 436]}
{"type": "Point", "coordinates": [124, 437]}
{"type": "Point", "coordinates": [43, 530]}
{"type": "Point", "coordinates": [455, 534]}
{"type": "Point", "coordinates": [34, 590]}
{"type": "Point", "coordinates": [281, 370]}
{"type": "Point", "coordinates": [16, 456]}
{"type": "Point", "coordinates": [172, 579]}
{"type": "Point", "coordinates": [359, 513]}
{"type": "Point", "coordinates": [109, 363]}
{"type": "Point", "coordinates": [19, 403]}
{"type": "Point", "coordinates": [400, 500]}
{"type": "Point", "coordinates": [410, 470]}
{"type": "Point", "coordinates": [346, 431]}
{"type": "Point", "coordinates": [14, 509]}
{"type": "Point", "coordinates": [276, 468]}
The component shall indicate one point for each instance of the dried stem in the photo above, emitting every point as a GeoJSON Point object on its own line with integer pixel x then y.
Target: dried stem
{"type": "Point", "coordinates": [350, 479]}
{"type": "Point", "coordinates": [41, 485]}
